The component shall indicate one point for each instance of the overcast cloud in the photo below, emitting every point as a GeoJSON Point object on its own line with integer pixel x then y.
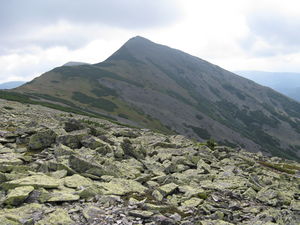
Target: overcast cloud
{"type": "Point", "coordinates": [37, 35]}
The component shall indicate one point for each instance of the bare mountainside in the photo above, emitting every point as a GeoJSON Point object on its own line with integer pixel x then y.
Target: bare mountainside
{"type": "Point", "coordinates": [150, 85]}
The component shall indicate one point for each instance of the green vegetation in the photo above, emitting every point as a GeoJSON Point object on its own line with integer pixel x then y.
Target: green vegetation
{"type": "Point", "coordinates": [122, 115]}
{"type": "Point", "coordinates": [211, 143]}
{"type": "Point", "coordinates": [176, 75]}
{"type": "Point", "coordinates": [102, 91]}
{"type": "Point", "coordinates": [23, 98]}
{"type": "Point", "coordinates": [201, 132]}
{"type": "Point", "coordinates": [8, 107]}
{"type": "Point", "coordinates": [100, 103]}
{"type": "Point", "coordinates": [93, 73]}
{"type": "Point", "coordinates": [52, 98]}
{"type": "Point", "coordinates": [286, 168]}
{"type": "Point", "coordinates": [233, 90]}
{"type": "Point", "coordinates": [179, 97]}
{"type": "Point", "coordinates": [228, 143]}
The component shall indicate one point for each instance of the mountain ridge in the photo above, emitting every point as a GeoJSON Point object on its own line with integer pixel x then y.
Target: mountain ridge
{"type": "Point", "coordinates": [154, 86]}
{"type": "Point", "coordinates": [65, 168]}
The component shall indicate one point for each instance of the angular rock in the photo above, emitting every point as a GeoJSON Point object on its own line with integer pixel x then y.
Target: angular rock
{"type": "Point", "coordinates": [58, 217]}
{"type": "Point", "coordinates": [11, 159]}
{"type": "Point", "coordinates": [141, 214]}
{"type": "Point", "coordinates": [120, 186]}
{"type": "Point", "coordinates": [21, 215]}
{"type": "Point", "coordinates": [35, 180]}
{"type": "Point", "coordinates": [64, 195]}
{"type": "Point", "coordinates": [268, 196]}
{"type": "Point", "coordinates": [89, 191]}
{"type": "Point", "coordinates": [59, 174]}
{"type": "Point", "coordinates": [72, 141]}
{"type": "Point", "coordinates": [130, 150]}
{"type": "Point", "coordinates": [157, 195]}
{"type": "Point", "coordinates": [73, 125]}
{"type": "Point", "coordinates": [91, 213]}
{"type": "Point", "coordinates": [18, 195]}
{"type": "Point", "coordinates": [295, 205]}
{"type": "Point", "coordinates": [168, 188]}
{"type": "Point", "coordinates": [42, 139]}
{"type": "Point", "coordinates": [192, 202]}
{"type": "Point", "coordinates": [190, 191]}
{"type": "Point", "coordinates": [76, 181]}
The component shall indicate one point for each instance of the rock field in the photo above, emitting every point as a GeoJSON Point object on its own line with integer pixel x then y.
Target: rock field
{"type": "Point", "coordinates": [60, 168]}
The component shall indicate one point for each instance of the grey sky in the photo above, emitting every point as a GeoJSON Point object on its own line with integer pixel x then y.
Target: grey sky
{"type": "Point", "coordinates": [20, 19]}
{"type": "Point", "coordinates": [282, 31]}
{"type": "Point", "coordinates": [37, 35]}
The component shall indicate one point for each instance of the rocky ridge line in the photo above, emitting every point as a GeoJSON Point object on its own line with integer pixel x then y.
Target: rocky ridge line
{"type": "Point", "coordinates": [60, 168]}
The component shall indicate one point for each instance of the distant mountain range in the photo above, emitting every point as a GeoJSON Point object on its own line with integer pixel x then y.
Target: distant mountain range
{"type": "Point", "coordinates": [11, 84]}
{"type": "Point", "coordinates": [285, 83]}
{"type": "Point", "coordinates": [154, 86]}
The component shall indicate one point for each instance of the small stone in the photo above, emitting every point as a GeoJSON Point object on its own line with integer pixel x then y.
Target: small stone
{"type": "Point", "coordinates": [250, 193]}
{"type": "Point", "coordinates": [59, 174]}
{"type": "Point", "coordinates": [191, 203]}
{"type": "Point", "coordinates": [167, 188]}
{"type": "Point", "coordinates": [295, 205]}
{"type": "Point", "coordinates": [141, 214]}
{"type": "Point", "coordinates": [157, 195]}
{"type": "Point", "coordinates": [92, 212]}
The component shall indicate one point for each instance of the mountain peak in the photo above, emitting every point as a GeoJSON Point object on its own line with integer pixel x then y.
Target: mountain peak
{"type": "Point", "coordinates": [138, 39]}
{"type": "Point", "coordinates": [134, 46]}
{"type": "Point", "coordinates": [72, 63]}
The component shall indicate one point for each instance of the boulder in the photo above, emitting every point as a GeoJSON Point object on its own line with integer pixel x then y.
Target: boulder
{"type": "Point", "coordinates": [268, 196]}
{"type": "Point", "coordinates": [18, 195]}
{"type": "Point", "coordinates": [76, 181]}
{"type": "Point", "coordinates": [94, 143]}
{"type": "Point", "coordinates": [63, 195]}
{"type": "Point", "coordinates": [58, 217]}
{"type": "Point", "coordinates": [133, 151]}
{"type": "Point", "coordinates": [42, 139]}
{"type": "Point", "coordinates": [38, 180]}
{"type": "Point", "coordinates": [72, 141]}
{"type": "Point", "coordinates": [72, 125]}
{"type": "Point", "coordinates": [119, 186]}
{"type": "Point", "coordinates": [22, 215]}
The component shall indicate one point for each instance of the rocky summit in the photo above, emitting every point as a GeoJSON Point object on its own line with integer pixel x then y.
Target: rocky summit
{"type": "Point", "coordinates": [63, 168]}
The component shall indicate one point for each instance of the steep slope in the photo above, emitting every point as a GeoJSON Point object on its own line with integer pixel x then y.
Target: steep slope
{"type": "Point", "coordinates": [285, 83]}
{"type": "Point", "coordinates": [151, 85]}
